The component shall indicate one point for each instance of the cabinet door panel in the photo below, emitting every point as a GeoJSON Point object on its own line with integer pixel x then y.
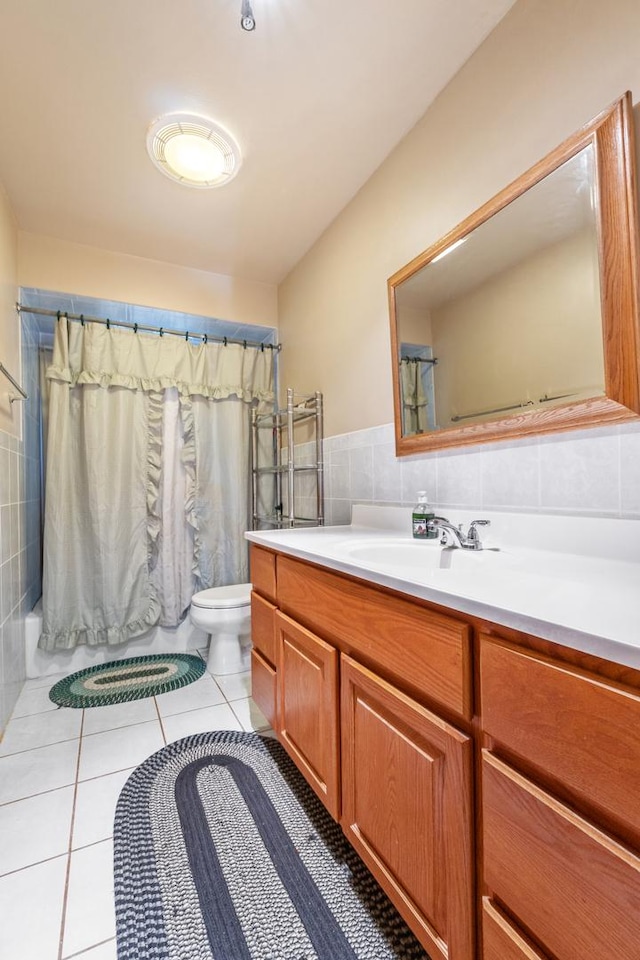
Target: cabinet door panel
{"type": "Point", "coordinates": [406, 778]}
{"type": "Point", "coordinates": [263, 628]}
{"type": "Point", "coordinates": [263, 571]}
{"type": "Point", "coordinates": [501, 940]}
{"type": "Point", "coordinates": [575, 888]}
{"type": "Point", "coordinates": [308, 708]}
{"type": "Point", "coordinates": [263, 687]}
{"type": "Point", "coordinates": [574, 726]}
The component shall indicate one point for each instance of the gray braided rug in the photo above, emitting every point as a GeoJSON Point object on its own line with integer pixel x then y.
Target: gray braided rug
{"type": "Point", "coordinates": [222, 851]}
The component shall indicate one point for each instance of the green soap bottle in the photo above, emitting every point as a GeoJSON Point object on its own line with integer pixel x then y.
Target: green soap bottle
{"type": "Point", "coordinates": [420, 517]}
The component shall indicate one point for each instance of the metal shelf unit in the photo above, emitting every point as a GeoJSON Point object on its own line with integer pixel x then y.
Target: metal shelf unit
{"type": "Point", "coordinates": [283, 476]}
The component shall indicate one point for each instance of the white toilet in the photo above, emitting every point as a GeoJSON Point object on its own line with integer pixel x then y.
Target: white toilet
{"type": "Point", "coordinates": [225, 614]}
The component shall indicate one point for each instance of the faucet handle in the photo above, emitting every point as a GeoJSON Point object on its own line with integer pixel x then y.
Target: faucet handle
{"type": "Point", "coordinates": [473, 534]}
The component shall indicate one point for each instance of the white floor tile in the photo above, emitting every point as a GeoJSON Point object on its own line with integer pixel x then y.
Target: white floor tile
{"type": "Point", "coordinates": [28, 733]}
{"type": "Point", "coordinates": [235, 686]}
{"type": "Point", "coordinates": [105, 951]}
{"type": "Point", "coordinates": [47, 682]}
{"type": "Point", "coordinates": [119, 749]}
{"type": "Point", "coordinates": [33, 701]}
{"type": "Point", "coordinates": [35, 829]}
{"type": "Point", "coordinates": [95, 808]}
{"type": "Point", "coordinates": [201, 693]}
{"type": "Point", "coordinates": [31, 910]}
{"type": "Point", "coordinates": [181, 725]}
{"type": "Point", "coordinates": [250, 715]}
{"type": "Point", "coordinates": [99, 719]}
{"type": "Point", "coordinates": [90, 916]}
{"type": "Point", "coordinates": [25, 774]}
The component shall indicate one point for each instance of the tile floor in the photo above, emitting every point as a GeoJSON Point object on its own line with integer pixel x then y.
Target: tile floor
{"type": "Point", "coordinates": [61, 772]}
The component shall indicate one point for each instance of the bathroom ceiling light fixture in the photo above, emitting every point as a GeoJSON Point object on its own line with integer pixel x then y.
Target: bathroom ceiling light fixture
{"type": "Point", "coordinates": [247, 19]}
{"type": "Point", "coordinates": [193, 150]}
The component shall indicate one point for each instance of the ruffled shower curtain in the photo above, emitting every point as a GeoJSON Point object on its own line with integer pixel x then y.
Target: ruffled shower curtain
{"type": "Point", "coordinates": [147, 478]}
{"type": "Point", "coordinates": [414, 400]}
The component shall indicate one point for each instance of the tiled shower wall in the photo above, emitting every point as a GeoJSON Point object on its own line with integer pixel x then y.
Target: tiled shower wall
{"type": "Point", "coordinates": [20, 577]}
{"type": "Point", "coordinates": [588, 472]}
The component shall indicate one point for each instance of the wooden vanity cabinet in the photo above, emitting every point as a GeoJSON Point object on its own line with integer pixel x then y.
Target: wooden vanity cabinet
{"type": "Point", "coordinates": [393, 773]}
{"type": "Point", "coordinates": [560, 808]}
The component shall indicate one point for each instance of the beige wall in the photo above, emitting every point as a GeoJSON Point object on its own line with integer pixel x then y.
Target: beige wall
{"type": "Point", "coordinates": [9, 323]}
{"type": "Point", "coordinates": [532, 331]}
{"type": "Point", "coordinates": [548, 68]}
{"type": "Point", "coordinates": [52, 264]}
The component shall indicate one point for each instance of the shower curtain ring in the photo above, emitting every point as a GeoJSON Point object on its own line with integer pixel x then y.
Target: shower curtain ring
{"type": "Point", "coordinates": [186, 336]}
{"type": "Point", "coordinates": [108, 324]}
{"type": "Point", "coordinates": [82, 319]}
{"type": "Point", "coordinates": [205, 339]}
{"type": "Point", "coordinates": [58, 315]}
{"type": "Point", "coordinates": [225, 341]}
{"type": "Point", "coordinates": [244, 344]}
{"type": "Point", "coordinates": [135, 328]}
{"type": "Point", "coordinates": [161, 331]}
{"type": "Point", "coordinates": [262, 348]}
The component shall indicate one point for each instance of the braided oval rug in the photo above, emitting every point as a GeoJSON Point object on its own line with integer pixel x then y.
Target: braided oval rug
{"type": "Point", "coordinates": [221, 850]}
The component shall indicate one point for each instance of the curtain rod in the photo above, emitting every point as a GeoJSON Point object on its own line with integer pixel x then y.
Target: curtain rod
{"type": "Point", "coordinates": [187, 334]}
{"type": "Point", "coordinates": [419, 360]}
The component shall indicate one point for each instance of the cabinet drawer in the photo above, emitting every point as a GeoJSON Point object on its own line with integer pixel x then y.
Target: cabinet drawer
{"type": "Point", "coordinates": [263, 571]}
{"type": "Point", "coordinates": [571, 724]}
{"type": "Point", "coordinates": [406, 807]}
{"type": "Point", "coordinates": [501, 940]}
{"type": "Point", "coordinates": [263, 687]}
{"type": "Point", "coordinates": [425, 652]}
{"type": "Point", "coordinates": [263, 628]}
{"type": "Point", "coordinates": [308, 708]}
{"type": "Point", "coordinates": [574, 887]}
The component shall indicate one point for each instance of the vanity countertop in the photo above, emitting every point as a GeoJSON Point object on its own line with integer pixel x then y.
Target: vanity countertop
{"type": "Point", "coordinates": [572, 580]}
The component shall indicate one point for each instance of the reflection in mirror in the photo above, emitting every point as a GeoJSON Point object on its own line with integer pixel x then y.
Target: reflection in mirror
{"type": "Point", "coordinates": [512, 315]}
{"type": "Point", "coordinates": [507, 325]}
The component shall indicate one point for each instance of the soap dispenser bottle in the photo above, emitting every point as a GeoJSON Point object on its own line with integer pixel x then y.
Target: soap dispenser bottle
{"type": "Point", "coordinates": [420, 517]}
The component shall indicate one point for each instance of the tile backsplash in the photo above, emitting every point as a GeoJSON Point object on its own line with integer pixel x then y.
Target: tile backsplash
{"type": "Point", "coordinates": [588, 472]}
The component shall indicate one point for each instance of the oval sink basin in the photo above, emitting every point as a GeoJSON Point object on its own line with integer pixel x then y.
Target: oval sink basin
{"type": "Point", "coordinates": [417, 557]}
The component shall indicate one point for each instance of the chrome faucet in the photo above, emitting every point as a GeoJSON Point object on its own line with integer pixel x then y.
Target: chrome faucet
{"type": "Point", "coordinates": [469, 541]}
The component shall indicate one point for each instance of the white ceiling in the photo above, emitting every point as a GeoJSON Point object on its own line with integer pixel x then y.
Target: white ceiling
{"type": "Point", "coordinates": [317, 97]}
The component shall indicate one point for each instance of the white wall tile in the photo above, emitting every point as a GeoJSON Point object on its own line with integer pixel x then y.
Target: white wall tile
{"type": "Point", "coordinates": [511, 477]}
{"type": "Point", "coordinates": [581, 474]}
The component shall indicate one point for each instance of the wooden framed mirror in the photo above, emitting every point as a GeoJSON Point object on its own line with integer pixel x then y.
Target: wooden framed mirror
{"type": "Point", "coordinates": [524, 318]}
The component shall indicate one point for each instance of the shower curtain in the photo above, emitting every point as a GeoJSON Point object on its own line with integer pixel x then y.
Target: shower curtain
{"type": "Point", "coordinates": [414, 400]}
{"type": "Point", "coordinates": [147, 478]}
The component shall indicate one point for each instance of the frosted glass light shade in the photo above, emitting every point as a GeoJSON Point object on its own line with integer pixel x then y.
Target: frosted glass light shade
{"type": "Point", "coordinates": [193, 150]}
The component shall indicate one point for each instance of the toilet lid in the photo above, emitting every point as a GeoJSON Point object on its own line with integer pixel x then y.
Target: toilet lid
{"type": "Point", "coordinates": [223, 598]}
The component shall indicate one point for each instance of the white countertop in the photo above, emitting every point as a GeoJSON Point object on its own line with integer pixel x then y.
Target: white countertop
{"type": "Point", "coordinates": [572, 580]}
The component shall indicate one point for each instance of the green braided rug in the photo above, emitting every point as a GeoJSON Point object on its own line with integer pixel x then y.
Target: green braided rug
{"type": "Point", "coordinates": [122, 680]}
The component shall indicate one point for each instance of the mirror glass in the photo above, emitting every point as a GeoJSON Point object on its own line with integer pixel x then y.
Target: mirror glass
{"type": "Point", "coordinates": [505, 320]}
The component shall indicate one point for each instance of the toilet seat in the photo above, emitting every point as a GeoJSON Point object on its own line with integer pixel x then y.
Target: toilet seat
{"type": "Point", "coordinates": [223, 598]}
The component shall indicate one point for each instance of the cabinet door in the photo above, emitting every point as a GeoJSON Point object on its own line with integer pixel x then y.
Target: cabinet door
{"type": "Point", "coordinates": [501, 940]}
{"type": "Point", "coordinates": [263, 628]}
{"type": "Point", "coordinates": [308, 708]}
{"type": "Point", "coordinates": [263, 687]}
{"type": "Point", "coordinates": [575, 888]}
{"type": "Point", "coordinates": [406, 795]}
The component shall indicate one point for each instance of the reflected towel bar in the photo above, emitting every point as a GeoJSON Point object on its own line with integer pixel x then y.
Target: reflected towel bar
{"type": "Point", "coordinates": [23, 395]}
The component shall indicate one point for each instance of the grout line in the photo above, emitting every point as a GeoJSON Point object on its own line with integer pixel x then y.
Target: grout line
{"type": "Point", "coordinates": [41, 793]}
{"type": "Point", "coordinates": [162, 730]}
{"type": "Point", "coordinates": [73, 817]}
{"type": "Point", "coordinates": [36, 863]}
{"type": "Point", "coordinates": [42, 746]}
{"type": "Point", "coordinates": [82, 953]}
